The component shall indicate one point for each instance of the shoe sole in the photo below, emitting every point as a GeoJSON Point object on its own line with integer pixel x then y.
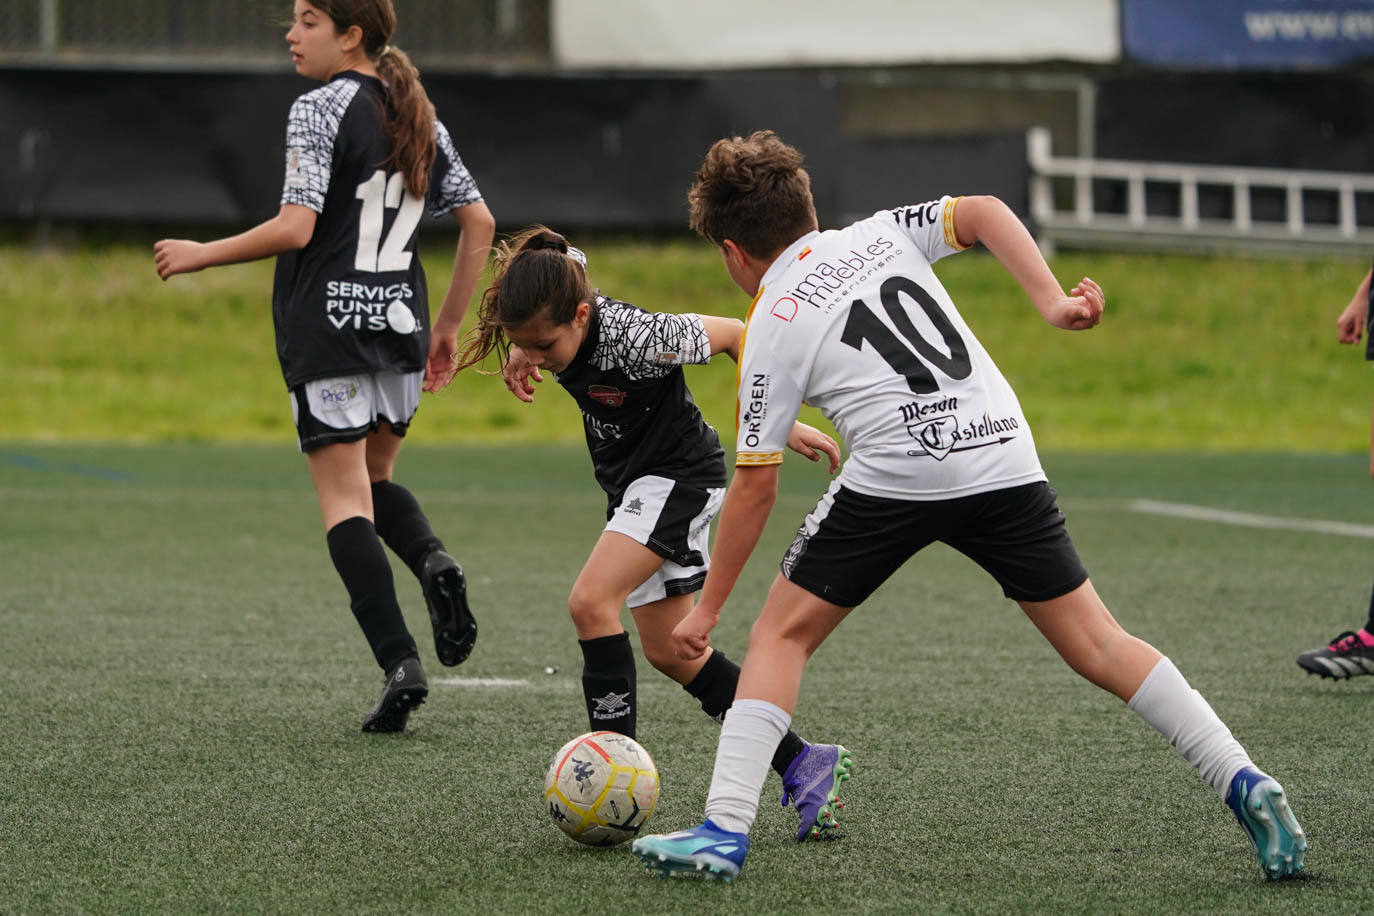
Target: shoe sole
{"type": "Point", "coordinates": [395, 711]}
{"type": "Point", "coordinates": [826, 814]}
{"type": "Point", "coordinates": [1280, 843]}
{"type": "Point", "coordinates": [667, 864]}
{"type": "Point", "coordinates": [1315, 666]}
{"type": "Point", "coordinates": [455, 629]}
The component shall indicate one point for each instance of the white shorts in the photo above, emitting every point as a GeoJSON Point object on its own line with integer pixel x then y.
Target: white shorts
{"type": "Point", "coordinates": [674, 521]}
{"type": "Point", "coordinates": [347, 408]}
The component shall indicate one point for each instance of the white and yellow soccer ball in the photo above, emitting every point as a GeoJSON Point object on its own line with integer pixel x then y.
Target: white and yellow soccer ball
{"type": "Point", "coordinates": [601, 788]}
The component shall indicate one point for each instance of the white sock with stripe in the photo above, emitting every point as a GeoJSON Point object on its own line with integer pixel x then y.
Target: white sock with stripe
{"type": "Point", "coordinates": [1179, 713]}
{"type": "Point", "coordinates": [748, 737]}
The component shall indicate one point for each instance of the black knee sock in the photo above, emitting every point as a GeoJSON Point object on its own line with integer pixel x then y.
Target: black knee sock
{"type": "Point", "coordinates": [402, 524]}
{"type": "Point", "coordinates": [608, 683]}
{"type": "Point", "coordinates": [1369, 627]}
{"type": "Point", "coordinates": [362, 564]}
{"type": "Point", "coordinates": [714, 686]}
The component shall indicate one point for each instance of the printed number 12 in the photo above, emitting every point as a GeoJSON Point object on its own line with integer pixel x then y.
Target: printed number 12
{"type": "Point", "coordinates": [379, 194]}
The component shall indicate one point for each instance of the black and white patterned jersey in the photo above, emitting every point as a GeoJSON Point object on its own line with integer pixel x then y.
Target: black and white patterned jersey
{"type": "Point", "coordinates": [354, 298]}
{"type": "Point", "coordinates": [637, 413]}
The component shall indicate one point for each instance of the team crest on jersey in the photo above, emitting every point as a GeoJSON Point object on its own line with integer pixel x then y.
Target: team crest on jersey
{"type": "Point", "coordinates": [606, 394]}
{"type": "Point", "coordinates": [294, 178]}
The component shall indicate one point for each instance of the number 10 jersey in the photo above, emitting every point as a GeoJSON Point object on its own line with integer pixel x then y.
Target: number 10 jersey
{"type": "Point", "coordinates": [854, 322]}
{"type": "Point", "coordinates": [354, 299]}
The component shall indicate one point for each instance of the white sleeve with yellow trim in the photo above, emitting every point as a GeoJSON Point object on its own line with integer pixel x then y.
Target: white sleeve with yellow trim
{"type": "Point", "coordinates": [931, 226]}
{"type": "Point", "coordinates": [768, 398]}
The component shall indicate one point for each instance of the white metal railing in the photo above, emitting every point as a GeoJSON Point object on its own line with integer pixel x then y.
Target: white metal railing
{"type": "Point", "coordinates": [1082, 224]}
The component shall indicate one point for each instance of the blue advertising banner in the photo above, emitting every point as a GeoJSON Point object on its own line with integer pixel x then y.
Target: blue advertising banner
{"type": "Point", "coordinates": [1248, 34]}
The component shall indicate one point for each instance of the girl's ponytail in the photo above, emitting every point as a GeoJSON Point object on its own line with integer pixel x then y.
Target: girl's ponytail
{"type": "Point", "coordinates": [409, 114]}
{"type": "Point", "coordinates": [409, 121]}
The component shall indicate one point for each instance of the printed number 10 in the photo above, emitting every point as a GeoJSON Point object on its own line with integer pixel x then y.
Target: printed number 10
{"type": "Point", "coordinates": [378, 195]}
{"type": "Point", "coordinates": [862, 325]}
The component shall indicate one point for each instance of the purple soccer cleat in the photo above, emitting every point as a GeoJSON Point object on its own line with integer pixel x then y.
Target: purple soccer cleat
{"type": "Point", "coordinates": [812, 784]}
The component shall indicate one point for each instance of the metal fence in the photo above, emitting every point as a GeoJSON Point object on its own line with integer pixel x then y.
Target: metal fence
{"type": "Point", "coordinates": [177, 33]}
{"type": "Point", "coordinates": [1121, 203]}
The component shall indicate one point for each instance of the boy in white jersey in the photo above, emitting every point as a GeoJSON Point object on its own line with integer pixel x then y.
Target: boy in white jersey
{"type": "Point", "coordinates": [854, 322]}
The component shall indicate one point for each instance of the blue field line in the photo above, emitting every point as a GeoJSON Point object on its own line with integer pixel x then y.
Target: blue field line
{"type": "Point", "coordinates": [32, 463]}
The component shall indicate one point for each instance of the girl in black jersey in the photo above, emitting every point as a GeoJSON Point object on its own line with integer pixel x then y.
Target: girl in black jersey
{"type": "Point", "coordinates": [661, 465]}
{"type": "Point", "coordinates": [365, 157]}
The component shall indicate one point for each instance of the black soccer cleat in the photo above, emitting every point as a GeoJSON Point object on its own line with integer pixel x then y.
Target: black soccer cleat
{"type": "Point", "coordinates": [405, 689]}
{"type": "Point", "coordinates": [1347, 656]}
{"type": "Point", "coordinates": [446, 593]}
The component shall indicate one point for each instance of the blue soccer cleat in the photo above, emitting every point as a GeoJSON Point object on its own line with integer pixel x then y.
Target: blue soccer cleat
{"type": "Point", "coordinates": [812, 783]}
{"type": "Point", "coordinates": [707, 849]}
{"type": "Point", "coordinates": [1262, 809]}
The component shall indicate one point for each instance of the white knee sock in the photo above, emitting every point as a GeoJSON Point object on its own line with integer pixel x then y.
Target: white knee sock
{"type": "Point", "coordinates": [1179, 713]}
{"type": "Point", "coordinates": [748, 738]}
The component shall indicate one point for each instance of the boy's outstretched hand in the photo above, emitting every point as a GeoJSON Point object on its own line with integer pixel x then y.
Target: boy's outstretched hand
{"type": "Point", "coordinates": [1080, 309]}
{"type": "Point", "coordinates": [810, 442]}
{"type": "Point", "coordinates": [692, 635]}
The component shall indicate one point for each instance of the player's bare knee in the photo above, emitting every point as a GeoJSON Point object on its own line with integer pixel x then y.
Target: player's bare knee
{"type": "Point", "coordinates": [589, 613]}
{"type": "Point", "coordinates": [665, 660]}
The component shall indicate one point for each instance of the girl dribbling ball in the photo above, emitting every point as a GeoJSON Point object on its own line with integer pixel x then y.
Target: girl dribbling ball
{"type": "Point", "coordinates": [663, 471]}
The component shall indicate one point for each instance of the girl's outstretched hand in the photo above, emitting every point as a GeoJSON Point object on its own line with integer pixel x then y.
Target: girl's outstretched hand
{"type": "Point", "coordinates": [692, 635]}
{"type": "Point", "coordinates": [810, 442]}
{"type": "Point", "coordinates": [177, 256]}
{"type": "Point", "coordinates": [1080, 309]}
{"type": "Point", "coordinates": [520, 375]}
{"type": "Point", "coordinates": [442, 363]}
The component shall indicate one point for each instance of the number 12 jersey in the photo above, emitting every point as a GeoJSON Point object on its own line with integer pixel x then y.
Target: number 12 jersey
{"type": "Point", "coordinates": [354, 299]}
{"type": "Point", "coordinates": [854, 322]}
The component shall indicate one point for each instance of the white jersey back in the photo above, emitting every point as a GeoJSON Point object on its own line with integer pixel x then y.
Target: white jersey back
{"type": "Point", "coordinates": [854, 322]}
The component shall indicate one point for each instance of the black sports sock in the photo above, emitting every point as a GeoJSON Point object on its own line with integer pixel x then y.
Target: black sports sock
{"type": "Point", "coordinates": [714, 686]}
{"type": "Point", "coordinates": [403, 525]}
{"type": "Point", "coordinates": [358, 556]}
{"type": "Point", "coordinates": [1369, 627]}
{"type": "Point", "coordinates": [608, 683]}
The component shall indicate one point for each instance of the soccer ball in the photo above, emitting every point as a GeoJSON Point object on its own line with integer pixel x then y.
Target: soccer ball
{"type": "Point", "coordinates": [601, 788]}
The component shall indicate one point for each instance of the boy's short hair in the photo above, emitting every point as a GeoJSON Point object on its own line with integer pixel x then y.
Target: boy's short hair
{"type": "Point", "coordinates": [754, 192]}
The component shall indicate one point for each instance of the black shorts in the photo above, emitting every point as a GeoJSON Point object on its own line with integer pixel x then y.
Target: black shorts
{"type": "Point", "coordinates": [852, 543]}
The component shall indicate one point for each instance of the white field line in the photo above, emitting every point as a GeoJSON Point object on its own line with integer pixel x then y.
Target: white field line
{"type": "Point", "coordinates": [481, 681]}
{"type": "Point", "coordinates": [1249, 520]}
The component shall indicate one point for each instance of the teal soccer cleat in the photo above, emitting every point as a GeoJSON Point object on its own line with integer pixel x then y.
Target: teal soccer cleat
{"type": "Point", "coordinates": [707, 849]}
{"type": "Point", "coordinates": [1261, 806]}
{"type": "Point", "coordinates": [812, 783]}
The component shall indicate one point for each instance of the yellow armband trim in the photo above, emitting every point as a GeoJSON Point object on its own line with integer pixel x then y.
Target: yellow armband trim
{"type": "Point", "coordinates": [947, 223]}
{"type": "Point", "coordinates": [757, 459]}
